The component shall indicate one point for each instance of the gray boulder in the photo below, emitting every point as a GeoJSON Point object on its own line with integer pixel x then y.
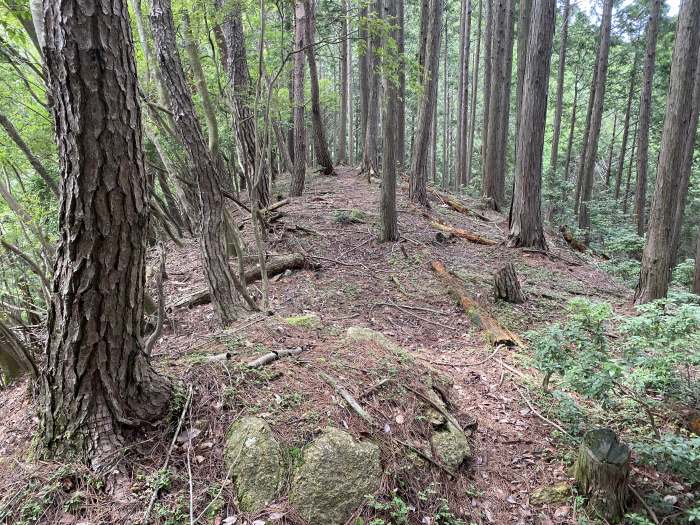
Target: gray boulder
{"type": "Point", "coordinates": [336, 474]}
{"type": "Point", "coordinates": [256, 462]}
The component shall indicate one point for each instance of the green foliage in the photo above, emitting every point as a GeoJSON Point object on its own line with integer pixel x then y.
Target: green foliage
{"type": "Point", "coordinates": [676, 454]}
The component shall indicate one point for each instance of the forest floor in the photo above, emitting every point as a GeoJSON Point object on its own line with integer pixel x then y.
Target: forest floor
{"type": "Point", "coordinates": [389, 288]}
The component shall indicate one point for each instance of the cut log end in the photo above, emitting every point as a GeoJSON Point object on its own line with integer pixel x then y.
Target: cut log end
{"type": "Point", "coordinates": [602, 472]}
{"type": "Point", "coordinates": [507, 286]}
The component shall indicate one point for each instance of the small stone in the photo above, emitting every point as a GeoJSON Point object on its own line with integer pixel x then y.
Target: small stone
{"type": "Point", "coordinates": [557, 493]}
{"type": "Point", "coordinates": [451, 446]}
{"type": "Point", "coordinates": [671, 499]}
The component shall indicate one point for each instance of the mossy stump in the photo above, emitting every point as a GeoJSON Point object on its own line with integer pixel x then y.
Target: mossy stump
{"type": "Point", "coordinates": [601, 472]}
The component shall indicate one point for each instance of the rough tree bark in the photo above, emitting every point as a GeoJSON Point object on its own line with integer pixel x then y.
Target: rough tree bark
{"type": "Point", "coordinates": [558, 108]}
{"type": "Point", "coordinates": [645, 114]}
{"type": "Point", "coordinates": [97, 381]}
{"type": "Point", "coordinates": [323, 156]}
{"type": "Point", "coordinates": [506, 285]}
{"type": "Point", "coordinates": [611, 148]}
{"type": "Point", "coordinates": [472, 114]}
{"type": "Point", "coordinates": [461, 175]}
{"type": "Point", "coordinates": [655, 272]}
{"type": "Point", "coordinates": [526, 210]}
{"type": "Point", "coordinates": [524, 18]}
{"type": "Point", "coordinates": [298, 177]}
{"type": "Point", "coordinates": [212, 235]}
{"type": "Point", "coordinates": [363, 63]}
{"type": "Point", "coordinates": [401, 109]}
{"type": "Point", "coordinates": [370, 151]}
{"type": "Point", "coordinates": [488, 58]}
{"type": "Point", "coordinates": [242, 96]}
{"type": "Point", "coordinates": [591, 151]}
{"type": "Point", "coordinates": [421, 145]}
{"type": "Point", "coordinates": [344, 86]}
{"type": "Point", "coordinates": [389, 231]}
{"type": "Point", "coordinates": [696, 280]}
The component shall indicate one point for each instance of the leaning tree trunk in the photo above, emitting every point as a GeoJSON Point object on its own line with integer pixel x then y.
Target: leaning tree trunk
{"type": "Point", "coordinates": [526, 209]}
{"type": "Point", "coordinates": [418, 191]}
{"type": "Point", "coordinates": [97, 381]}
{"type": "Point", "coordinates": [15, 357]}
{"type": "Point", "coordinates": [645, 114]}
{"type": "Point", "coordinates": [626, 129]}
{"type": "Point", "coordinates": [212, 235]}
{"type": "Point", "coordinates": [323, 156]}
{"type": "Point", "coordinates": [298, 176]}
{"type": "Point", "coordinates": [242, 95]}
{"type": "Point", "coordinates": [655, 273]}
{"type": "Point", "coordinates": [387, 208]}
{"type": "Point", "coordinates": [591, 152]}
{"type": "Point", "coordinates": [602, 472]}
{"type": "Point", "coordinates": [558, 108]}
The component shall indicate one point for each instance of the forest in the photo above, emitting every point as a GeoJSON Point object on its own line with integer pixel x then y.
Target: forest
{"type": "Point", "coordinates": [349, 262]}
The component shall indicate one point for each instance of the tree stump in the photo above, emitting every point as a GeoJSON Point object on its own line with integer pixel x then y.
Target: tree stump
{"type": "Point", "coordinates": [507, 285]}
{"type": "Point", "coordinates": [601, 472]}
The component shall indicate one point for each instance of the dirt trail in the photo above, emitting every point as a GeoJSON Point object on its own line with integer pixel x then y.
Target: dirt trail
{"type": "Point", "coordinates": [391, 289]}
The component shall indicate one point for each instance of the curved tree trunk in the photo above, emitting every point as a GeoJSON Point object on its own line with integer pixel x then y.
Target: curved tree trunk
{"type": "Point", "coordinates": [526, 210]}
{"type": "Point", "coordinates": [98, 381]}
{"type": "Point", "coordinates": [645, 114]}
{"type": "Point", "coordinates": [658, 254]}
{"type": "Point", "coordinates": [212, 235]}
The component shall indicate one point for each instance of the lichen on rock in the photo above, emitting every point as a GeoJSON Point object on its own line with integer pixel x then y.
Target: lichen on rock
{"type": "Point", "coordinates": [451, 446]}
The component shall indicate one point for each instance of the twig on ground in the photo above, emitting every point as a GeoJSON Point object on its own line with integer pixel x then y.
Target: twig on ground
{"type": "Point", "coordinates": [644, 504]}
{"type": "Point", "coordinates": [274, 356]}
{"type": "Point", "coordinates": [347, 397]}
{"type": "Point", "coordinates": [543, 418]}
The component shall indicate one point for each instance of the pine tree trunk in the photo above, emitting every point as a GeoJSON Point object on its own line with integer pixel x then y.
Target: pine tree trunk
{"type": "Point", "coordinates": [608, 168]}
{"type": "Point", "coordinates": [472, 115]}
{"type": "Point", "coordinates": [626, 129]}
{"type": "Point", "coordinates": [323, 155]}
{"type": "Point", "coordinates": [488, 59]}
{"type": "Point", "coordinates": [696, 280]}
{"type": "Point", "coordinates": [421, 146]}
{"type": "Point", "coordinates": [625, 200]}
{"type": "Point", "coordinates": [572, 129]}
{"type": "Point", "coordinates": [370, 154]}
{"type": "Point", "coordinates": [298, 177]}
{"type": "Point", "coordinates": [97, 381]}
{"type": "Point", "coordinates": [584, 145]}
{"type": "Point", "coordinates": [558, 110]}
{"type": "Point", "coordinates": [591, 152]}
{"type": "Point", "coordinates": [645, 114]}
{"type": "Point", "coordinates": [212, 235]}
{"type": "Point", "coordinates": [461, 175]}
{"type": "Point", "coordinates": [526, 209]}
{"type": "Point", "coordinates": [364, 66]}
{"type": "Point", "coordinates": [242, 97]}
{"type": "Point", "coordinates": [524, 18]}
{"type": "Point", "coordinates": [387, 208]}
{"type": "Point", "coordinates": [351, 119]}
{"type": "Point", "coordinates": [344, 87]}
{"type": "Point", "coordinates": [655, 272]}
{"type": "Point", "coordinates": [445, 114]}
{"type": "Point", "coordinates": [401, 109]}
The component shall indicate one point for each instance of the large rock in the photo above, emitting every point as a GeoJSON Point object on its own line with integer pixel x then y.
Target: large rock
{"type": "Point", "coordinates": [256, 462]}
{"type": "Point", "coordinates": [451, 446]}
{"type": "Point", "coordinates": [336, 474]}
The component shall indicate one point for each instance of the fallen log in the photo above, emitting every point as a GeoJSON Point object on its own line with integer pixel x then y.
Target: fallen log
{"type": "Point", "coordinates": [495, 333]}
{"type": "Point", "coordinates": [276, 265]}
{"type": "Point", "coordinates": [459, 206]}
{"type": "Point", "coordinates": [571, 240]}
{"type": "Point", "coordinates": [274, 356]}
{"type": "Point", "coordinates": [442, 226]}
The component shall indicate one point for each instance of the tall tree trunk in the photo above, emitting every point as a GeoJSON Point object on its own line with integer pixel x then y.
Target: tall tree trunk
{"type": "Point", "coordinates": [387, 208]}
{"type": "Point", "coordinates": [351, 105]}
{"type": "Point", "coordinates": [584, 219]}
{"type": "Point", "coordinates": [626, 129]}
{"type": "Point", "coordinates": [499, 104]}
{"type": "Point", "coordinates": [364, 66]}
{"type": "Point", "coordinates": [370, 152]}
{"type": "Point", "coordinates": [525, 213]}
{"type": "Point", "coordinates": [572, 129]}
{"type": "Point", "coordinates": [472, 114]}
{"type": "Point", "coordinates": [645, 114]}
{"type": "Point", "coordinates": [611, 148]}
{"type": "Point", "coordinates": [524, 17]}
{"type": "Point", "coordinates": [323, 155]}
{"type": "Point", "coordinates": [242, 97]}
{"type": "Point", "coordinates": [201, 84]}
{"type": "Point", "coordinates": [344, 87]}
{"type": "Point", "coordinates": [298, 177]}
{"type": "Point", "coordinates": [558, 109]}
{"type": "Point", "coordinates": [657, 258]}
{"type": "Point", "coordinates": [626, 197]}
{"type": "Point", "coordinates": [488, 66]}
{"type": "Point", "coordinates": [696, 279]}
{"type": "Point", "coordinates": [421, 145]}
{"type": "Point", "coordinates": [401, 103]}
{"type": "Point", "coordinates": [445, 115]}
{"type": "Point", "coordinates": [461, 175]}
{"type": "Point", "coordinates": [97, 382]}
{"type": "Point", "coordinates": [212, 235]}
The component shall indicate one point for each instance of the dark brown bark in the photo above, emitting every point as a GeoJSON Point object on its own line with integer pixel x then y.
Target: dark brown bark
{"type": "Point", "coordinates": [15, 358]}
{"type": "Point", "coordinates": [401, 109]}
{"type": "Point", "coordinates": [572, 128]}
{"type": "Point", "coordinates": [591, 150]}
{"type": "Point", "coordinates": [524, 18]}
{"type": "Point", "coordinates": [364, 66]}
{"type": "Point", "coordinates": [626, 128]}
{"type": "Point", "coordinates": [558, 108]}
{"type": "Point", "coordinates": [212, 234]}
{"type": "Point", "coordinates": [645, 114]}
{"type": "Point", "coordinates": [421, 145]}
{"type": "Point", "coordinates": [526, 209]}
{"type": "Point", "coordinates": [97, 381]}
{"type": "Point", "coordinates": [323, 156]}
{"type": "Point", "coordinates": [657, 258]}
{"type": "Point", "coordinates": [388, 230]}
{"type": "Point", "coordinates": [370, 150]}
{"type": "Point", "coordinates": [611, 148]}
{"type": "Point", "coordinates": [696, 279]}
{"type": "Point", "coordinates": [344, 87]}
{"type": "Point", "coordinates": [472, 115]}
{"type": "Point", "coordinates": [33, 159]}
{"type": "Point", "coordinates": [461, 175]}
{"type": "Point", "coordinates": [626, 197]}
{"type": "Point", "coordinates": [298, 176]}
{"type": "Point", "coordinates": [242, 97]}
{"type": "Point", "coordinates": [506, 284]}
{"type": "Point", "coordinates": [488, 59]}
